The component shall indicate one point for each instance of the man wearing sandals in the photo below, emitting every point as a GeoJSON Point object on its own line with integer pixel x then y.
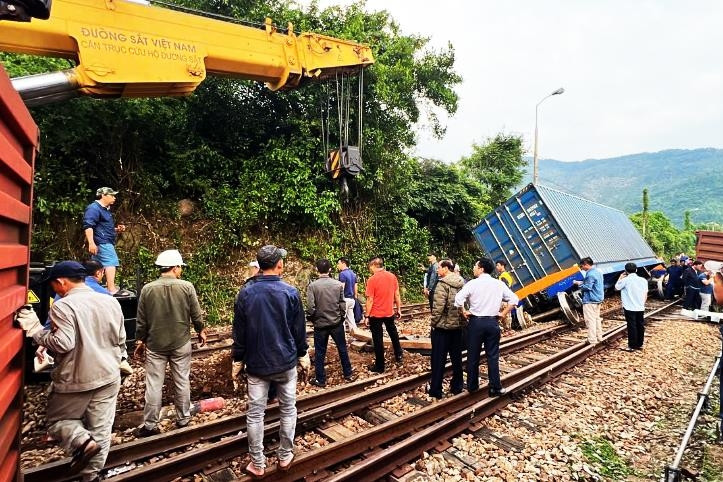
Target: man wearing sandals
{"type": "Point", "coordinates": [269, 340]}
{"type": "Point", "coordinates": [87, 336]}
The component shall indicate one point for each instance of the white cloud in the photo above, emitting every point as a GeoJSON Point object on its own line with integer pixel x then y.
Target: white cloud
{"type": "Point", "coordinates": [639, 76]}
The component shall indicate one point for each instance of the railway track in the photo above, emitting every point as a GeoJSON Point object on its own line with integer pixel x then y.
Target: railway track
{"type": "Point", "coordinates": [218, 341]}
{"type": "Point", "coordinates": [392, 444]}
{"type": "Point", "coordinates": [216, 442]}
{"type": "Point", "coordinates": [313, 409]}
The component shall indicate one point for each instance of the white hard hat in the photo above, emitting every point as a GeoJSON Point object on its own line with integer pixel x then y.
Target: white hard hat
{"type": "Point", "coordinates": [169, 258]}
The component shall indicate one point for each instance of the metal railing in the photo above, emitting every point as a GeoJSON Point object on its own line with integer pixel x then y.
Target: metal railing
{"type": "Point", "coordinates": [673, 472]}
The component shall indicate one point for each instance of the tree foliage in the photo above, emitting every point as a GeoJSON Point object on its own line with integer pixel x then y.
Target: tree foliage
{"type": "Point", "coordinates": [661, 234]}
{"type": "Point", "coordinates": [497, 164]}
{"type": "Point", "coordinates": [251, 161]}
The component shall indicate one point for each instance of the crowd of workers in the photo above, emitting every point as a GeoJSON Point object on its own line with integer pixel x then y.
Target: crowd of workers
{"type": "Point", "coordinates": [270, 352]}
{"type": "Point", "coordinates": [689, 278]}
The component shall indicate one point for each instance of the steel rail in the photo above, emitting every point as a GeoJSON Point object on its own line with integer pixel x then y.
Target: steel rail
{"type": "Point", "coordinates": [198, 460]}
{"type": "Point", "coordinates": [442, 419]}
{"type": "Point", "coordinates": [385, 461]}
{"type": "Point", "coordinates": [177, 439]}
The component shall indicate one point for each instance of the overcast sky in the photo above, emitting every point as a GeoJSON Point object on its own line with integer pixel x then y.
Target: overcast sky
{"type": "Point", "coordinates": [639, 76]}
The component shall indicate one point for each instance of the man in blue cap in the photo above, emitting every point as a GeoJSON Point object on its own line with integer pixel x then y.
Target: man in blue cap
{"type": "Point", "coordinates": [88, 336]}
{"type": "Point", "coordinates": [100, 232]}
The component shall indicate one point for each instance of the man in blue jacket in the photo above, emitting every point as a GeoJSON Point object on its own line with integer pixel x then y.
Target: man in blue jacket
{"type": "Point", "coordinates": [100, 232]}
{"type": "Point", "coordinates": [269, 340]}
{"type": "Point", "coordinates": [674, 283]}
{"type": "Point", "coordinates": [592, 296]}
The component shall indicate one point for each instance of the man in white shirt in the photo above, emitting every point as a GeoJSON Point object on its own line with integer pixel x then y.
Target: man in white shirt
{"type": "Point", "coordinates": [484, 296]}
{"type": "Point", "coordinates": [633, 291]}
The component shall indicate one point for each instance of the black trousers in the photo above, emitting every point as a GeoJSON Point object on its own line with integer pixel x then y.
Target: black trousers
{"type": "Point", "coordinates": [636, 328]}
{"type": "Point", "coordinates": [375, 326]}
{"type": "Point", "coordinates": [446, 342]}
{"type": "Point", "coordinates": [483, 330]}
{"type": "Point", "coordinates": [692, 298]}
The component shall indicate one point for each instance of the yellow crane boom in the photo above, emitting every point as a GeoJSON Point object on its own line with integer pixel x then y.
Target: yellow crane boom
{"type": "Point", "coordinates": [129, 49]}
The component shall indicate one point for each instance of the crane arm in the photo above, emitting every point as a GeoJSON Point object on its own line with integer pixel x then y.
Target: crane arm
{"type": "Point", "coordinates": [129, 49]}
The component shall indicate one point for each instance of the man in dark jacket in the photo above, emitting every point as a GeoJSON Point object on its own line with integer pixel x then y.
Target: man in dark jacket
{"type": "Point", "coordinates": [430, 278]}
{"type": "Point", "coordinates": [447, 327]}
{"type": "Point", "coordinates": [692, 285]}
{"type": "Point", "coordinates": [674, 283]}
{"type": "Point", "coordinates": [326, 309]}
{"type": "Point", "coordinates": [269, 340]}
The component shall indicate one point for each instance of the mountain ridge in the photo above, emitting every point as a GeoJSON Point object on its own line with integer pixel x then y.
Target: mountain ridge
{"type": "Point", "coordinates": [677, 180]}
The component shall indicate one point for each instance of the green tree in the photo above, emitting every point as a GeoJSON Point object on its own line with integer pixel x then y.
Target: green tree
{"type": "Point", "coordinates": [662, 235]}
{"type": "Point", "coordinates": [249, 158]}
{"type": "Point", "coordinates": [447, 203]}
{"type": "Point", "coordinates": [498, 165]}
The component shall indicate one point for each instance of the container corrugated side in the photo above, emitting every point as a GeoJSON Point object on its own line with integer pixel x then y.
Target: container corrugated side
{"type": "Point", "coordinates": [709, 245]}
{"type": "Point", "coordinates": [18, 146]}
{"type": "Point", "coordinates": [524, 233]}
{"type": "Point", "coordinates": [603, 233]}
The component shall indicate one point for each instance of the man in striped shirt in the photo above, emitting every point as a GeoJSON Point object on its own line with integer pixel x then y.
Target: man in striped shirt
{"type": "Point", "coordinates": [484, 296]}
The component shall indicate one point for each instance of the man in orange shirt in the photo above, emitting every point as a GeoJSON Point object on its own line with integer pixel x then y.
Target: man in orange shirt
{"type": "Point", "coordinates": [382, 294]}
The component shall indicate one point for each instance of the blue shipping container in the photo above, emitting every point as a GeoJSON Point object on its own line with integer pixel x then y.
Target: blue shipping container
{"type": "Point", "coordinates": [540, 231]}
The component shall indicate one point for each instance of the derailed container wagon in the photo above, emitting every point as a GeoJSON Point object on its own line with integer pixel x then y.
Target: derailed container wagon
{"type": "Point", "coordinates": [18, 147]}
{"type": "Point", "coordinates": [542, 233]}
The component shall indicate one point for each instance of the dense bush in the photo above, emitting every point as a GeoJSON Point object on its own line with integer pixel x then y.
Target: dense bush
{"type": "Point", "coordinates": [251, 162]}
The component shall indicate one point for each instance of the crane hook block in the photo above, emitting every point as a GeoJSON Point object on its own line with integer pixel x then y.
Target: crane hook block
{"type": "Point", "coordinates": [348, 164]}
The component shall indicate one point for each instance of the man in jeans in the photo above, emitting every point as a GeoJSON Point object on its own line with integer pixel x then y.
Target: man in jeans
{"type": "Point", "coordinates": [87, 337]}
{"type": "Point", "coordinates": [633, 292]}
{"type": "Point", "coordinates": [431, 278]}
{"type": "Point", "coordinates": [351, 293]}
{"type": "Point", "coordinates": [167, 307]}
{"type": "Point", "coordinates": [592, 296]}
{"type": "Point", "coordinates": [382, 294]}
{"type": "Point", "coordinates": [269, 340]}
{"type": "Point", "coordinates": [326, 309]}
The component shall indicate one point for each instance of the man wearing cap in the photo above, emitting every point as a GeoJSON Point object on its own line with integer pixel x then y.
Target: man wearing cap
{"type": "Point", "coordinates": [100, 232]}
{"type": "Point", "coordinates": [87, 337]}
{"type": "Point", "coordinates": [166, 309]}
{"type": "Point", "coordinates": [269, 340]}
{"type": "Point", "coordinates": [94, 274]}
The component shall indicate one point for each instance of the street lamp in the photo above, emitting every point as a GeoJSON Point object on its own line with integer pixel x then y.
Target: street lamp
{"type": "Point", "coordinates": [534, 162]}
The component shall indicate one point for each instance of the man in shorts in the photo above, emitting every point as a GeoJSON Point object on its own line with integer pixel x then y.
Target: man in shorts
{"type": "Point", "coordinates": [100, 232]}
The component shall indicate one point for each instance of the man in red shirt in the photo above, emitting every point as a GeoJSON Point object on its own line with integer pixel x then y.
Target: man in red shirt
{"type": "Point", "coordinates": [382, 294]}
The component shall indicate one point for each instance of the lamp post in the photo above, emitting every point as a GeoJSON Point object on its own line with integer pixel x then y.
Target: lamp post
{"type": "Point", "coordinates": [534, 162]}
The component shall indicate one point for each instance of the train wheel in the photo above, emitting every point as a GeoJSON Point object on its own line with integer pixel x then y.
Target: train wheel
{"type": "Point", "coordinates": [520, 314]}
{"type": "Point", "coordinates": [661, 282]}
{"type": "Point", "coordinates": [568, 306]}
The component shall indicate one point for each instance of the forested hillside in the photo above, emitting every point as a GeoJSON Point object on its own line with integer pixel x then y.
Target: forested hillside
{"type": "Point", "coordinates": [235, 166]}
{"type": "Point", "coordinates": [678, 180]}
